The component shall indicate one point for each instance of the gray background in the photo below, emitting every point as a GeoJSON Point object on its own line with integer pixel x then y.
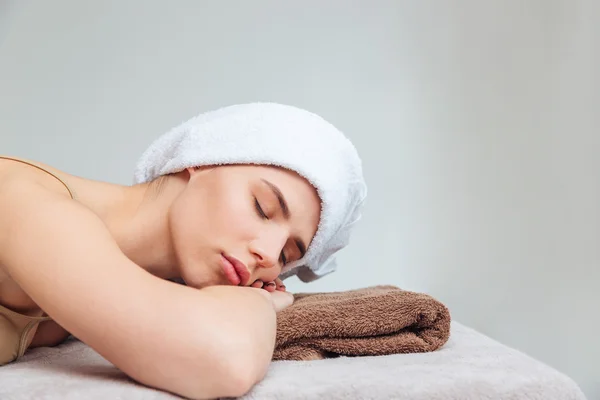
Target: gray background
{"type": "Point", "coordinates": [477, 123]}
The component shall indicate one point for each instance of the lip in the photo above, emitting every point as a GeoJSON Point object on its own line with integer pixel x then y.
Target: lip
{"type": "Point", "coordinates": [240, 269]}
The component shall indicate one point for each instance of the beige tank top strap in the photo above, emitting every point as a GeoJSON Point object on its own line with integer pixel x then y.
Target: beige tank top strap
{"type": "Point", "coordinates": [13, 314]}
{"type": "Point", "coordinates": [23, 328]}
{"type": "Point", "coordinates": [71, 193]}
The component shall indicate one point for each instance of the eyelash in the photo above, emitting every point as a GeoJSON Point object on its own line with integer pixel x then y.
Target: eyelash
{"type": "Point", "coordinates": [261, 213]}
{"type": "Point", "coordinates": [259, 209]}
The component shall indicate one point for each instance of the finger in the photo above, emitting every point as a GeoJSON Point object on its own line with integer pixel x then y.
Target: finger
{"type": "Point", "coordinates": [279, 285]}
{"type": "Point", "coordinates": [270, 286]}
{"type": "Point", "coordinates": [257, 284]}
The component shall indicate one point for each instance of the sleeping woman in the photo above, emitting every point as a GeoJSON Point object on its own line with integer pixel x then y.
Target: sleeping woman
{"type": "Point", "coordinates": [178, 278]}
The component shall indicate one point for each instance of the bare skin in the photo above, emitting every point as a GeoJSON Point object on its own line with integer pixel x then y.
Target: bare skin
{"type": "Point", "coordinates": [105, 260]}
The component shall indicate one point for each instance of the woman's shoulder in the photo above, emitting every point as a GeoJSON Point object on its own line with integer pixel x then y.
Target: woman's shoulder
{"type": "Point", "coordinates": [21, 171]}
{"type": "Point", "coordinates": [27, 187]}
{"type": "Point", "coordinates": [8, 162]}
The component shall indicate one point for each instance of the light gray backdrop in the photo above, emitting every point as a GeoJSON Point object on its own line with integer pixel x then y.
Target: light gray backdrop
{"type": "Point", "coordinates": [478, 123]}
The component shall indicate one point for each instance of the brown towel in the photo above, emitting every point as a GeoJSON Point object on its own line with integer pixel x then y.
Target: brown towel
{"type": "Point", "coordinates": [371, 321]}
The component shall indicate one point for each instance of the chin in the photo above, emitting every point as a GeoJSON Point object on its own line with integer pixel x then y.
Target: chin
{"type": "Point", "coordinates": [196, 282]}
{"type": "Point", "coordinates": [201, 278]}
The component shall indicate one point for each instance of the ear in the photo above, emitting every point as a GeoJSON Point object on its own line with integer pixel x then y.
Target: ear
{"type": "Point", "coordinates": [196, 170]}
{"type": "Point", "coordinates": [192, 170]}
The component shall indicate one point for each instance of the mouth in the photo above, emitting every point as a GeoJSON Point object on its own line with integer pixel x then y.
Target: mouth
{"type": "Point", "coordinates": [235, 270]}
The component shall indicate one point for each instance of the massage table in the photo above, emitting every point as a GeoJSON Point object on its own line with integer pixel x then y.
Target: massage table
{"type": "Point", "coordinates": [469, 366]}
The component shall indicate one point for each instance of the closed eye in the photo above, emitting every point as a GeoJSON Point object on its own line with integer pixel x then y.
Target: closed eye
{"type": "Point", "coordinates": [259, 209]}
{"type": "Point", "coordinates": [284, 259]}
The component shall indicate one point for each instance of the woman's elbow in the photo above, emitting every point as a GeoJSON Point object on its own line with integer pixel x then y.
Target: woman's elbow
{"type": "Point", "coordinates": [240, 381]}
{"type": "Point", "coordinates": [228, 379]}
{"type": "Point", "coordinates": [243, 370]}
{"type": "Point", "coordinates": [207, 375]}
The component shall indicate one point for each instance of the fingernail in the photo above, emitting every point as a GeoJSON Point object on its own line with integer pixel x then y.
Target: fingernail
{"type": "Point", "coordinates": [271, 284]}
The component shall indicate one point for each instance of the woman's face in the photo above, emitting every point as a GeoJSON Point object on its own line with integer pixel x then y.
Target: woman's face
{"type": "Point", "coordinates": [264, 217]}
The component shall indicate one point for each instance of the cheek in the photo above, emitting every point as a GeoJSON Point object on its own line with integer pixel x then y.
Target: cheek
{"type": "Point", "coordinates": [226, 210]}
{"type": "Point", "coordinates": [234, 217]}
{"type": "Point", "coordinates": [184, 223]}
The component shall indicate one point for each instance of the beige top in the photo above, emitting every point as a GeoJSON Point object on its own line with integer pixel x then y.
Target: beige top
{"type": "Point", "coordinates": [17, 330]}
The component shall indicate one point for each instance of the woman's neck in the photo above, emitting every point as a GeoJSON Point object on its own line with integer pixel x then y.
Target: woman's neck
{"type": "Point", "coordinates": [137, 217]}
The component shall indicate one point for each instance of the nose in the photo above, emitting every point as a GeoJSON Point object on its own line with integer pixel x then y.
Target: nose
{"type": "Point", "coordinates": [267, 248]}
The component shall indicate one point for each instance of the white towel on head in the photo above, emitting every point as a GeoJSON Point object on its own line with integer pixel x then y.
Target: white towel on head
{"type": "Point", "coordinates": [280, 135]}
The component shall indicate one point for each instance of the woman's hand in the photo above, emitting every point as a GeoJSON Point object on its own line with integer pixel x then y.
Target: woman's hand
{"type": "Point", "coordinates": [277, 284]}
{"type": "Point", "coordinates": [280, 298]}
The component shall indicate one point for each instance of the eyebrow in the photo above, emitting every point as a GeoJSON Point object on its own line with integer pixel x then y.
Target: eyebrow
{"type": "Point", "coordinates": [282, 202]}
{"type": "Point", "coordinates": [286, 213]}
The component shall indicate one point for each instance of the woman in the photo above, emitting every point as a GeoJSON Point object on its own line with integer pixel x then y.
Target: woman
{"type": "Point", "coordinates": [227, 203]}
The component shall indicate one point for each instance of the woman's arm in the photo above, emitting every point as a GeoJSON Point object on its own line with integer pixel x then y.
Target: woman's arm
{"type": "Point", "coordinates": [214, 342]}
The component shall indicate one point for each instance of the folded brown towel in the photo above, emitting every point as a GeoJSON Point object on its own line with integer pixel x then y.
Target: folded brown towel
{"type": "Point", "coordinates": [371, 321]}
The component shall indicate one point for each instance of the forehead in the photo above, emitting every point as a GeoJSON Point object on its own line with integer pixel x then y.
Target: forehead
{"type": "Point", "coordinates": [282, 176]}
